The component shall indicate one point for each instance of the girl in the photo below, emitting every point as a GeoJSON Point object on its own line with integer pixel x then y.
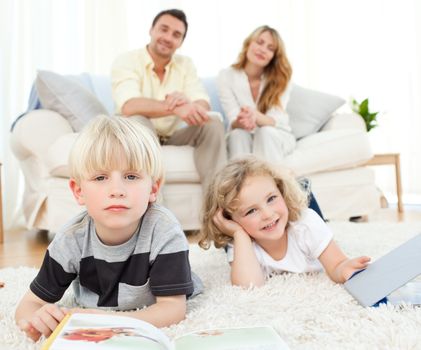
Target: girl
{"type": "Point", "coordinates": [260, 216]}
{"type": "Point", "coordinates": [254, 93]}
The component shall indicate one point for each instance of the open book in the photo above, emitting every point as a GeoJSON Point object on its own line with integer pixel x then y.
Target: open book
{"type": "Point", "coordinates": [386, 279]}
{"type": "Point", "coordinates": [93, 331]}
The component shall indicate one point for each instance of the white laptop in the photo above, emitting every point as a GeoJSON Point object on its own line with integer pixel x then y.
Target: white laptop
{"type": "Point", "coordinates": [387, 274]}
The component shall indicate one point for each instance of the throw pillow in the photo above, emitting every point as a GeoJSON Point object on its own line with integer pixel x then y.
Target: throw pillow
{"type": "Point", "coordinates": [69, 98]}
{"type": "Point", "coordinates": [309, 110]}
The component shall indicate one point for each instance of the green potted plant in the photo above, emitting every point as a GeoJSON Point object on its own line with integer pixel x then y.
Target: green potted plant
{"type": "Point", "coordinates": [370, 118]}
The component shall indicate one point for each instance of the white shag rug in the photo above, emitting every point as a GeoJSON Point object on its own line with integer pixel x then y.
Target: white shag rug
{"type": "Point", "coordinates": [307, 310]}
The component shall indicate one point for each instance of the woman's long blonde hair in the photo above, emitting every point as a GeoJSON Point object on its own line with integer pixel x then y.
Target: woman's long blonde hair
{"type": "Point", "coordinates": [277, 73]}
{"type": "Point", "coordinates": [223, 192]}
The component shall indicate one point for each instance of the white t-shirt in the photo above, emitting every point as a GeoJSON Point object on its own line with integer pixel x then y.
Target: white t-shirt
{"type": "Point", "coordinates": [307, 239]}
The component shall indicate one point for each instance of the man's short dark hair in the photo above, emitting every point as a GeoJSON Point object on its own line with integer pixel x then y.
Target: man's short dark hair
{"type": "Point", "coordinates": [180, 15]}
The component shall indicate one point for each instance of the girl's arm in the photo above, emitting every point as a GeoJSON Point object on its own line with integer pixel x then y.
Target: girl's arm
{"type": "Point", "coordinates": [338, 267]}
{"type": "Point", "coordinates": [165, 312]}
{"type": "Point", "coordinates": [245, 268]}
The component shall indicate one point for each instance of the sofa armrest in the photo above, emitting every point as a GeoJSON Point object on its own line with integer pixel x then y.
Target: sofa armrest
{"type": "Point", "coordinates": [57, 158]}
{"type": "Point", "coordinates": [34, 133]}
{"type": "Point", "coordinates": [344, 121]}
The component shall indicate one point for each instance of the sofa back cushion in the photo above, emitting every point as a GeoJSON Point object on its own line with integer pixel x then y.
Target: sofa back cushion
{"type": "Point", "coordinates": [69, 98]}
{"type": "Point", "coordinates": [309, 110]}
{"type": "Point", "coordinates": [81, 97]}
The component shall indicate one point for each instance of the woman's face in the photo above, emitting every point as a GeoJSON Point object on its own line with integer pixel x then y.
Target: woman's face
{"type": "Point", "coordinates": [261, 49]}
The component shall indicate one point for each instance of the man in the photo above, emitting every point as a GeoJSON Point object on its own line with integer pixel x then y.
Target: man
{"type": "Point", "coordinates": [164, 89]}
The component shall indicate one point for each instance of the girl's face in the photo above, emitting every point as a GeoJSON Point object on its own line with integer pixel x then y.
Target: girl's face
{"type": "Point", "coordinates": [262, 211]}
{"type": "Point", "coordinates": [261, 50]}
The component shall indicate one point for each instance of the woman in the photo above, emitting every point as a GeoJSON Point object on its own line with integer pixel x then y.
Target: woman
{"type": "Point", "coordinates": [254, 93]}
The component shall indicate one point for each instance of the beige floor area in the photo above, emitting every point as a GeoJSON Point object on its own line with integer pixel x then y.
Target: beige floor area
{"type": "Point", "coordinates": [27, 248]}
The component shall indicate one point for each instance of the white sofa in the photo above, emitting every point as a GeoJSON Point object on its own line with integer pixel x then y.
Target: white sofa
{"type": "Point", "coordinates": [331, 158]}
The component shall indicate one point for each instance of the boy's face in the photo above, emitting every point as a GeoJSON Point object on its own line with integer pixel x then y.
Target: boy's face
{"type": "Point", "coordinates": [116, 200]}
{"type": "Point", "coordinates": [262, 212]}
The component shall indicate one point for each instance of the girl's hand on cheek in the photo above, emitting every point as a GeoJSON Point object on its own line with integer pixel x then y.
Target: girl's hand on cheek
{"type": "Point", "coordinates": [229, 227]}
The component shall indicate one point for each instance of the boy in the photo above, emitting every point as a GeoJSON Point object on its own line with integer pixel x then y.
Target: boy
{"type": "Point", "coordinates": [124, 252]}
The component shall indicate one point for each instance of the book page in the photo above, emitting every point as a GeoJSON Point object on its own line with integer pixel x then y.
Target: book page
{"type": "Point", "coordinates": [93, 331]}
{"type": "Point", "coordinates": [251, 338]}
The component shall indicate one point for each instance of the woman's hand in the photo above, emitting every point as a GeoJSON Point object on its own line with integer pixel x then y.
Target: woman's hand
{"type": "Point", "coordinates": [227, 226]}
{"type": "Point", "coordinates": [246, 119]}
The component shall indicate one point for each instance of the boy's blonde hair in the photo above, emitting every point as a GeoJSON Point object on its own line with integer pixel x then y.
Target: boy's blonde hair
{"type": "Point", "coordinates": [223, 193]}
{"type": "Point", "coordinates": [108, 143]}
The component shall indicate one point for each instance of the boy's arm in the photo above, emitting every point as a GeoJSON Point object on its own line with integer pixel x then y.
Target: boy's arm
{"type": "Point", "coordinates": [165, 312]}
{"type": "Point", "coordinates": [338, 267]}
{"type": "Point", "coordinates": [36, 317]}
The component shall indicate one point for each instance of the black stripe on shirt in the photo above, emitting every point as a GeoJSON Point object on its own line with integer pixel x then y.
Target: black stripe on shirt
{"type": "Point", "coordinates": [51, 281]}
{"type": "Point", "coordinates": [102, 277]}
{"type": "Point", "coordinates": [171, 275]}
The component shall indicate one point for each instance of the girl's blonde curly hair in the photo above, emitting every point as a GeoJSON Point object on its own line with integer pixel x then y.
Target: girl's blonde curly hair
{"type": "Point", "coordinates": [223, 193]}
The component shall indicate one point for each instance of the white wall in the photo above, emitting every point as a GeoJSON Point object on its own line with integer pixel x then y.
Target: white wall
{"type": "Point", "coordinates": [353, 48]}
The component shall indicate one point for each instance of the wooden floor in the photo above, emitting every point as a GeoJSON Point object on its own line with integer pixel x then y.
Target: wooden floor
{"type": "Point", "coordinates": [27, 248]}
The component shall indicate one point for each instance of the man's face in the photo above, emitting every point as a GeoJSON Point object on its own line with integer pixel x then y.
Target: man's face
{"type": "Point", "coordinates": [167, 35]}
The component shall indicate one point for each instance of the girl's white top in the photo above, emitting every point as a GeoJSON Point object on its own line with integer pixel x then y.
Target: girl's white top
{"type": "Point", "coordinates": [307, 239]}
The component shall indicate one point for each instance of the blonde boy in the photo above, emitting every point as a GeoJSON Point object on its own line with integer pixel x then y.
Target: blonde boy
{"type": "Point", "coordinates": [124, 252]}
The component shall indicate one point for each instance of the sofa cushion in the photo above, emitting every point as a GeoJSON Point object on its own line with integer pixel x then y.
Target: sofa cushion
{"type": "Point", "coordinates": [330, 150]}
{"type": "Point", "coordinates": [58, 155]}
{"type": "Point", "coordinates": [68, 97]}
{"type": "Point", "coordinates": [309, 110]}
{"type": "Point", "coordinates": [179, 164]}
{"type": "Point", "coordinates": [178, 160]}
{"type": "Point", "coordinates": [346, 193]}
{"type": "Point", "coordinates": [211, 89]}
